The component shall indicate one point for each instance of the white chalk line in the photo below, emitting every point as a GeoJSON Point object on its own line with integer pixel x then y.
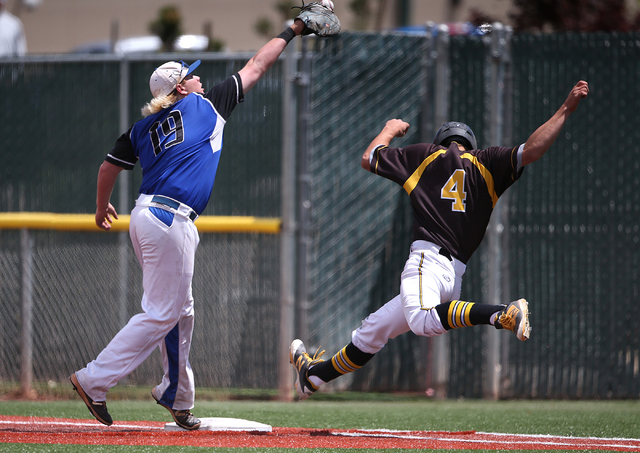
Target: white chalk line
{"type": "Point", "coordinates": [520, 439]}
{"type": "Point", "coordinates": [80, 424]}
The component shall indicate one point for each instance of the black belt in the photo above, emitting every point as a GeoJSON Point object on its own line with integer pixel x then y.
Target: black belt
{"type": "Point", "coordinates": [172, 204]}
{"type": "Point", "coordinates": [444, 252]}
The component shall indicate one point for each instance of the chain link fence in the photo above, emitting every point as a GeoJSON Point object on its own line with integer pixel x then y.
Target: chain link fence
{"type": "Point", "coordinates": [86, 286]}
{"type": "Point", "coordinates": [360, 82]}
{"type": "Point", "coordinates": [575, 224]}
{"type": "Point", "coordinates": [570, 227]}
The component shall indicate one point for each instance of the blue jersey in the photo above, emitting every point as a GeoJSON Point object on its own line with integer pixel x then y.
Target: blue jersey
{"type": "Point", "coordinates": [179, 147]}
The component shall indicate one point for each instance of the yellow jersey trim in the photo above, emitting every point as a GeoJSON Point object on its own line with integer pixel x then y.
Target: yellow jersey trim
{"type": "Point", "coordinates": [376, 150]}
{"type": "Point", "coordinates": [486, 175]}
{"type": "Point", "coordinates": [413, 180]}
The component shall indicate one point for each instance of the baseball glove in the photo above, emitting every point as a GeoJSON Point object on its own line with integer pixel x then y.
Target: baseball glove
{"type": "Point", "coordinates": [318, 19]}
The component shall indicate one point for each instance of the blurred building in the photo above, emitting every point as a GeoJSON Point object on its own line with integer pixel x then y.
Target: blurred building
{"type": "Point", "coordinates": [58, 26]}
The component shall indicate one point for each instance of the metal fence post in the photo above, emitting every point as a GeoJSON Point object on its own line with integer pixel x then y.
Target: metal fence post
{"type": "Point", "coordinates": [26, 347]}
{"type": "Point", "coordinates": [124, 183]}
{"type": "Point", "coordinates": [443, 77]}
{"type": "Point", "coordinates": [505, 384]}
{"type": "Point", "coordinates": [288, 234]}
{"type": "Point", "coordinates": [496, 230]}
{"type": "Point", "coordinates": [440, 344]}
{"type": "Point", "coordinates": [303, 81]}
{"type": "Point", "coordinates": [428, 124]}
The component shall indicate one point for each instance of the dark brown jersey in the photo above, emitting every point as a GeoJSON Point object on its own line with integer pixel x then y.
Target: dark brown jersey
{"type": "Point", "coordinates": [452, 192]}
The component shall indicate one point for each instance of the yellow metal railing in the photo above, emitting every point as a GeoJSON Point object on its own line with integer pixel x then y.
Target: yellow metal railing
{"type": "Point", "coordinates": [86, 222]}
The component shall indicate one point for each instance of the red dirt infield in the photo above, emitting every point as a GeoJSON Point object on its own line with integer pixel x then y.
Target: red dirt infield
{"type": "Point", "coordinates": [89, 432]}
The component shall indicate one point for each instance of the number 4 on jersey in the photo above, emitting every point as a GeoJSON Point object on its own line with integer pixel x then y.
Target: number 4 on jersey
{"type": "Point", "coordinates": [454, 190]}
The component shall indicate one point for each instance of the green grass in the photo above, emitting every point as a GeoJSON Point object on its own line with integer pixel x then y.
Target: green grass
{"type": "Point", "coordinates": [350, 410]}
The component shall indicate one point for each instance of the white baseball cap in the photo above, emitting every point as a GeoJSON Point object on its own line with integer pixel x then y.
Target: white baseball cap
{"type": "Point", "coordinates": [166, 78]}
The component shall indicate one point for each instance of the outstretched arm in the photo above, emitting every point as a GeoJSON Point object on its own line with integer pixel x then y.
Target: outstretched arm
{"type": "Point", "coordinates": [540, 141]}
{"type": "Point", "coordinates": [266, 57]}
{"type": "Point", "coordinates": [107, 176]}
{"type": "Point", "coordinates": [393, 128]}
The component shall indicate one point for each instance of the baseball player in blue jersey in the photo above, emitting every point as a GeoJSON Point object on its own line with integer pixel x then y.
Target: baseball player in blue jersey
{"type": "Point", "coordinates": [178, 145]}
{"type": "Point", "coordinates": [453, 188]}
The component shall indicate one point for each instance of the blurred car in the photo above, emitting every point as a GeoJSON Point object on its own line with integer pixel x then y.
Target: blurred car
{"type": "Point", "coordinates": [453, 28]}
{"type": "Point", "coordinates": [138, 44]}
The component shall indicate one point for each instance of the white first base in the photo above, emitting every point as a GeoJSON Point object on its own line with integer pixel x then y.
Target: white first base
{"type": "Point", "coordinates": [224, 424]}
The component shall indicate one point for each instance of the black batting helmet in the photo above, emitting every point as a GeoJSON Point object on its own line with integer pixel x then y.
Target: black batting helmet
{"type": "Point", "coordinates": [456, 132]}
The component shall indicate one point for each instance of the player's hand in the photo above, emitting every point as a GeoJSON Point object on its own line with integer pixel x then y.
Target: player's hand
{"type": "Point", "coordinates": [105, 216]}
{"type": "Point", "coordinates": [578, 92]}
{"type": "Point", "coordinates": [397, 128]}
{"type": "Point", "coordinates": [297, 26]}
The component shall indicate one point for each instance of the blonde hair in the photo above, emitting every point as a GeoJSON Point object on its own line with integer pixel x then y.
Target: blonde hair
{"type": "Point", "coordinates": [159, 103]}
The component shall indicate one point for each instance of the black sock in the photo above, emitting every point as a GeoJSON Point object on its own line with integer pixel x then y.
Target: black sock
{"type": "Point", "coordinates": [459, 313]}
{"type": "Point", "coordinates": [348, 359]}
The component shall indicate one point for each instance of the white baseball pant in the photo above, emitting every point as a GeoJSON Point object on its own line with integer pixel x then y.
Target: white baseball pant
{"type": "Point", "coordinates": [166, 254]}
{"type": "Point", "coordinates": [428, 279]}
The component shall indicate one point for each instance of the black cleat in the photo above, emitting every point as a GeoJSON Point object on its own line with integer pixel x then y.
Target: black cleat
{"type": "Point", "coordinates": [97, 408]}
{"type": "Point", "coordinates": [302, 361]}
{"type": "Point", "coordinates": [184, 419]}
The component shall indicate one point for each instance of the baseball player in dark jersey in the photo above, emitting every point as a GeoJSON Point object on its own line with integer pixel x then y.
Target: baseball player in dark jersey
{"type": "Point", "coordinates": [178, 144]}
{"type": "Point", "coordinates": [453, 189]}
